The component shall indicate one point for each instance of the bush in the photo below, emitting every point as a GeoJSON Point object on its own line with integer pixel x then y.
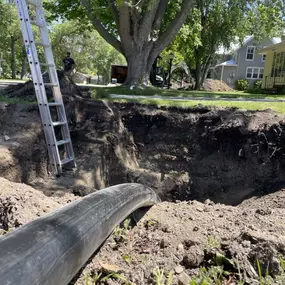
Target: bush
{"type": "Point", "coordinates": [257, 84]}
{"type": "Point", "coordinates": [242, 84]}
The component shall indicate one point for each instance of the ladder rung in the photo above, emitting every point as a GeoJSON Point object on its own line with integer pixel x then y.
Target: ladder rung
{"type": "Point", "coordinates": [50, 84]}
{"type": "Point", "coordinates": [34, 3]}
{"type": "Point", "coordinates": [55, 104]}
{"type": "Point", "coordinates": [42, 44]}
{"type": "Point", "coordinates": [37, 24]}
{"type": "Point", "coordinates": [67, 160]}
{"type": "Point", "coordinates": [55, 124]}
{"type": "Point", "coordinates": [47, 64]}
{"type": "Point", "coordinates": [63, 142]}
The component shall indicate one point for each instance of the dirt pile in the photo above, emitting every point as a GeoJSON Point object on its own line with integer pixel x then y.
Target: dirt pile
{"type": "Point", "coordinates": [176, 239]}
{"type": "Point", "coordinates": [26, 91]}
{"type": "Point", "coordinates": [216, 85]}
{"type": "Point", "coordinates": [20, 203]}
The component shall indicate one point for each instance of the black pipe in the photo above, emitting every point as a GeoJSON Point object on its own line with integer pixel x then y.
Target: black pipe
{"type": "Point", "coordinates": [52, 249]}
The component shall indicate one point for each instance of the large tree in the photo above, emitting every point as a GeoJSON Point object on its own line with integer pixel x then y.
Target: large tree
{"type": "Point", "coordinates": [216, 23]}
{"type": "Point", "coordinates": [139, 29]}
{"type": "Point", "coordinates": [11, 44]}
{"type": "Point", "coordinates": [91, 52]}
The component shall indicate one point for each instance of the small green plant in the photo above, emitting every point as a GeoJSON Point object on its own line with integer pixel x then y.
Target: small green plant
{"type": "Point", "coordinates": [99, 277]}
{"type": "Point", "coordinates": [120, 231]}
{"type": "Point", "coordinates": [127, 259]}
{"type": "Point", "coordinates": [242, 84]}
{"type": "Point", "coordinates": [213, 242]}
{"type": "Point", "coordinates": [160, 278]}
{"type": "Point", "coordinates": [214, 275]}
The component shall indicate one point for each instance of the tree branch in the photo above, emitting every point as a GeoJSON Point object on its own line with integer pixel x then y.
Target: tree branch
{"type": "Point", "coordinates": [100, 28]}
{"type": "Point", "coordinates": [147, 20]}
{"type": "Point", "coordinates": [115, 12]}
{"type": "Point", "coordinates": [159, 15]}
{"type": "Point", "coordinates": [173, 28]}
{"type": "Point", "coordinates": [125, 26]}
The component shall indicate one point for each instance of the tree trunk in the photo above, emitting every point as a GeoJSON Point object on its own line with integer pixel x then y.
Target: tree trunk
{"type": "Point", "coordinates": [140, 62]}
{"type": "Point", "coordinates": [198, 74]}
{"type": "Point", "coordinates": [13, 57]}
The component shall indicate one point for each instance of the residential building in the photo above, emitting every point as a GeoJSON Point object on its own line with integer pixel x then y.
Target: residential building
{"type": "Point", "coordinates": [248, 63]}
{"type": "Point", "coordinates": [274, 70]}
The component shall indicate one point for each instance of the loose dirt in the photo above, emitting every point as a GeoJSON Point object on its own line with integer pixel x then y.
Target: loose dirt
{"type": "Point", "coordinates": [226, 166]}
{"type": "Point", "coordinates": [216, 85]}
{"type": "Point", "coordinates": [181, 237]}
{"type": "Point", "coordinates": [20, 203]}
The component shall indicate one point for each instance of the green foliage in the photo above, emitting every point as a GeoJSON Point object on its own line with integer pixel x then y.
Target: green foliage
{"type": "Point", "coordinates": [242, 84]}
{"type": "Point", "coordinates": [159, 277]}
{"type": "Point", "coordinates": [92, 54]}
{"type": "Point", "coordinates": [101, 277]}
{"type": "Point", "coordinates": [10, 32]}
{"type": "Point", "coordinates": [120, 231]}
{"type": "Point", "coordinates": [257, 84]}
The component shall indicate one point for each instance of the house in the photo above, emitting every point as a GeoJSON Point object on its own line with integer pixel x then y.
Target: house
{"type": "Point", "coordinates": [274, 70]}
{"type": "Point", "coordinates": [247, 64]}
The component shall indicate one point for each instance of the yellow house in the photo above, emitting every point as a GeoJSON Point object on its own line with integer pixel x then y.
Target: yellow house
{"type": "Point", "coordinates": [274, 69]}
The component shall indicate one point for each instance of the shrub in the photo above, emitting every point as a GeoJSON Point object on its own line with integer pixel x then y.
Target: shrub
{"type": "Point", "coordinates": [242, 84]}
{"type": "Point", "coordinates": [257, 84]}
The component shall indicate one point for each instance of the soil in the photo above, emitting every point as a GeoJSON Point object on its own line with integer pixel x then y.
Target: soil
{"type": "Point", "coordinates": [183, 236]}
{"type": "Point", "coordinates": [20, 203]}
{"type": "Point", "coordinates": [226, 166]}
{"type": "Point", "coordinates": [216, 85]}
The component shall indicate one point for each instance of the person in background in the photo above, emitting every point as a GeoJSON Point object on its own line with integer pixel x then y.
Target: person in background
{"type": "Point", "coordinates": [69, 63]}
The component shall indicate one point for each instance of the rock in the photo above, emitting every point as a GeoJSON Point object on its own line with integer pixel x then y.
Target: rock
{"type": "Point", "coordinates": [180, 246]}
{"type": "Point", "coordinates": [193, 257]}
{"type": "Point", "coordinates": [6, 138]}
{"type": "Point", "coordinates": [183, 279]}
{"type": "Point", "coordinates": [163, 243]}
{"type": "Point", "coordinates": [195, 229]}
{"type": "Point", "coordinates": [209, 202]}
{"type": "Point", "coordinates": [267, 256]}
{"type": "Point", "coordinates": [263, 212]}
{"type": "Point", "coordinates": [178, 269]}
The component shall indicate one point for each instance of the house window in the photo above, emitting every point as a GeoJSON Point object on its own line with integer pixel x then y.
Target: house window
{"type": "Point", "coordinates": [249, 72]}
{"type": "Point", "coordinates": [254, 72]}
{"type": "Point", "coordinates": [263, 56]}
{"type": "Point", "coordinates": [250, 53]}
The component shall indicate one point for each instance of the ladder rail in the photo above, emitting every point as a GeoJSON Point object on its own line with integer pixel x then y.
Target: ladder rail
{"type": "Point", "coordinates": [54, 79]}
{"type": "Point", "coordinates": [39, 85]}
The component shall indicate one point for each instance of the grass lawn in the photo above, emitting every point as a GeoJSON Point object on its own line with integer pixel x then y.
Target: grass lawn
{"type": "Point", "coordinates": [104, 92]}
{"type": "Point", "coordinates": [276, 106]}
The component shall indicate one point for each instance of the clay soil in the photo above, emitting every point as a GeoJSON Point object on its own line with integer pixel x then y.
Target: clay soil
{"type": "Point", "coordinates": [219, 172]}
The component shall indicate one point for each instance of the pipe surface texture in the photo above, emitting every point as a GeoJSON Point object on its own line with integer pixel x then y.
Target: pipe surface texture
{"type": "Point", "coordinates": [52, 249]}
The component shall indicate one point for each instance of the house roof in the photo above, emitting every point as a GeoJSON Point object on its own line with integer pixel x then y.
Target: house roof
{"type": "Point", "coordinates": [236, 46]}
{"type": "Point", "coordinates": [274, 48]}
{"type": "Point", "coordinates": [230, 62]}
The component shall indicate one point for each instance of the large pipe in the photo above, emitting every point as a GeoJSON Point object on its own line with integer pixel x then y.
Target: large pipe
{"type": "Point", "coordinates": [52, 249]}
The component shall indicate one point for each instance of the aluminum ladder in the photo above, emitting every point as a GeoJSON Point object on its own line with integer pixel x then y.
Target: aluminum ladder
{"type": "Point", "coordinates": [56, 130]}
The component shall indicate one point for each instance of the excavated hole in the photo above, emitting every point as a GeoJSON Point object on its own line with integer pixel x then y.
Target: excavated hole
{"type": "Point", "coordinates": [224, 155]}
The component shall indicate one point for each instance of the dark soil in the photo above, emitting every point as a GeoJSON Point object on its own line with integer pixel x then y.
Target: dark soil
{"type": "Point", "coordinates": [214, 156]}
{"type": "Point", "coordinates": [226, 155]}
{"type": "Point", "coordinates": [26, 91]}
